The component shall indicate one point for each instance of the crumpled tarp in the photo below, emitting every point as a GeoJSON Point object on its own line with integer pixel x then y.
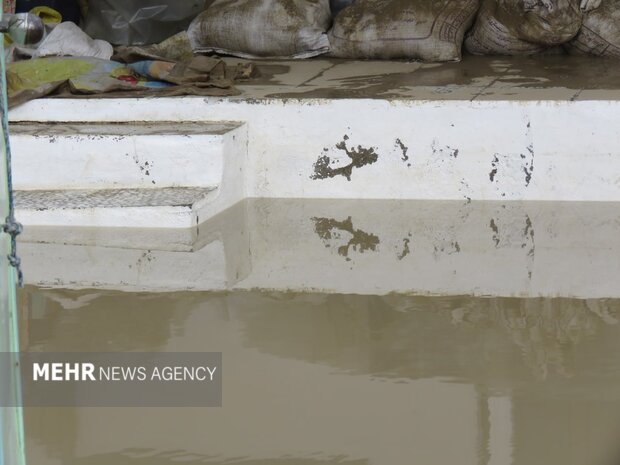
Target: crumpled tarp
{"type": "Point", "coordinates": [75, 76]}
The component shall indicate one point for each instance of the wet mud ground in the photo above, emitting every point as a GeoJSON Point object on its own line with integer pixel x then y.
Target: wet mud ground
{"type": "Point", "coordinates": [343, 379]}
{"type": "Point", "coordinates": [547, 77]}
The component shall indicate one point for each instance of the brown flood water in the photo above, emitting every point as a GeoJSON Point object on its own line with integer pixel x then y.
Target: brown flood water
{"type": "Point", "coordinates": [314, 379]}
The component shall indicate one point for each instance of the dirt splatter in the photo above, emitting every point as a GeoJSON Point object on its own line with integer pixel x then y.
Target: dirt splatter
{"type": "Point", "coordinates": [528, 156]}
{"type": "Point", "coordinates": [447, 150]}
{"type": "Point", "coordinates": [494, 165]}
{"type": "Point", "coordinates": [465, 189]}
{"type": "Point", "coordinates": [404, 149]}
{"type": "Point", "coordinates": [528, 169]}
{"type": "Point", "coordinates": [329, 229]}
{"type": "Point", "coordinates": [360, 156]}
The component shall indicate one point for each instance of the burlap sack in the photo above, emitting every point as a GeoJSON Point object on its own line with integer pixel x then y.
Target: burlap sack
{"type": "Point", "coordinates": [414, 29]}
{"type": "Point", "coordinates": [600, 33]}
{"type": "Point", "coordinates": [337, 5]}
{"type": "Point", "coordinates": [523, 27]}
{"type": "Point", "coordinates": [263, 28]}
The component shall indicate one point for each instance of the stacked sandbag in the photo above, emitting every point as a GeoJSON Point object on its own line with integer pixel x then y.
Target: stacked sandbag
{"type": "Point", "coordinates": [523, 27]}
{"type": "Point", "coordinates": [412, 29]}
{"type": "Point", "coordinates": [338, 5]}
{"type": "Point", "coordinates": [600, 33]}
{"type": "Point", "coordinates": [263, 28]}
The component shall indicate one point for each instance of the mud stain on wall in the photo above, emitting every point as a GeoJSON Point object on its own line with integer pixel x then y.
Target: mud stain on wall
{"type": "Point", "coordinates": [404, 149]}
{"type": "Point", "coordinates": [528, 157]}
{"type": "Point", "coordinates": [446, 150]}
{"type": "Point", "coordinates": [494, 165]}
{"type": "Point", "coordinates": [359, 156]}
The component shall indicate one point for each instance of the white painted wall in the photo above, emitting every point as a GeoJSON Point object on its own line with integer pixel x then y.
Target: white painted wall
{"type": "Point", "coordinates": [575, 150]}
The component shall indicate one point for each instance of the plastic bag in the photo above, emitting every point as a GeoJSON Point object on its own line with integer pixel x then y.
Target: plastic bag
{"type": "Point", "coordinates": [67, 39]}
{"type": "Point", "coordinates": [140, 22]}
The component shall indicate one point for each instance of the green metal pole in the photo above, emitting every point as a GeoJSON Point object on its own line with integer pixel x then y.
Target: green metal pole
{"type": "Point", "coordinates": [11, 415]}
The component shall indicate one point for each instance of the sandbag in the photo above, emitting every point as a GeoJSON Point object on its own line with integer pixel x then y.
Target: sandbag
{"type": "Point", "coordinates": [523, 27]}
{"type": "Point", "coordinates": [263, 28]}
{"type": "Point", "coordinates": [413, 29]}
{"type": "Point", "coordinates": [337, 5]}
{"type": "Point", "coordinates": [600, 33]}
{"type": "Point", "coordinates": [139, 22]}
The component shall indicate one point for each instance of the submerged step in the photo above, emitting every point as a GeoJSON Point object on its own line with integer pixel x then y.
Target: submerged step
{"type": "Point", "coordinates": [172, 207]}
{"type": "Point", "coordinates": [52, 156]}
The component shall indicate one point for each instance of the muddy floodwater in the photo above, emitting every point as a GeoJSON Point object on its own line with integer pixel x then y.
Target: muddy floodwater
{"type": "Point", "coordinates": [313, 379]}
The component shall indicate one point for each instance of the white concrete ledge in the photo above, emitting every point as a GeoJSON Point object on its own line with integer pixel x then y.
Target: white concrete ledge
{"type": "Point", "coordinates": [490, 150]}
{"type": "Point", "coordinates": [109, 156]}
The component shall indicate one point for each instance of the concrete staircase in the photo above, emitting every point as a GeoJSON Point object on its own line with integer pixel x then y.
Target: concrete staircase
{"type": "Point", "coordinates": [131, 175]}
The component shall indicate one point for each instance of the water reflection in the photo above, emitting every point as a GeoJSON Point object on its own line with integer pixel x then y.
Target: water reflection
{"type": "Point", "coordinates": [342, 379]}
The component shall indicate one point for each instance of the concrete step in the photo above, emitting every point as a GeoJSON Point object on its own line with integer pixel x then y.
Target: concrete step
{"type": "Point", "coordinates": [172, 240]}
{"type": "Point", "coordinates": [56, 156]}
{"type": "Point", "coordinates": [172, 207]}
{"type": "Point", "coordinates": [215, 255]}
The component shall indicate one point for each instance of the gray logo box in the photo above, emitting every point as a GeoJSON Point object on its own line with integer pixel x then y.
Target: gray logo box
{"type": "Point", "coordinates": [115, 379]}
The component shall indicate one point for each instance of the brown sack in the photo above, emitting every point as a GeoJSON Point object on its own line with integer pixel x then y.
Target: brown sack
{"type": "Point", "coordinates": [263, 28]}
{"type": "Point", "coordinates": [414, 29]}
{"type": "Point", "coordinates": [600, 33]}
{"type": "Point", "coordinates": [523, 27]}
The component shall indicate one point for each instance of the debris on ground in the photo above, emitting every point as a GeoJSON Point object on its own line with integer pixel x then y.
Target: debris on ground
{"type": "Point", "coordinates": [75, 76]}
